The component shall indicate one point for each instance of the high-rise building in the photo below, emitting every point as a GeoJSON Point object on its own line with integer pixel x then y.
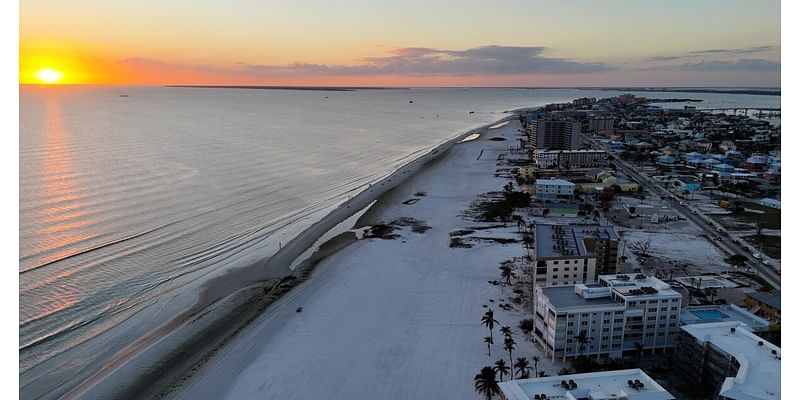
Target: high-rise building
{"type": "Point", "coordinates": [555, 134]}
{"type": "Point", "coordinates": [630, 384]}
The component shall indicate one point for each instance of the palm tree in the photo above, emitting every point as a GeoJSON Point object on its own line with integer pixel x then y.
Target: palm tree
{"type": "Point", "coordinates": [711, 292]}
{"type": "Point", "coordinates": [582, 340]}
{"type": "Point", "coordinates": [523, 367]}
{"type": "Point", "coordinates": [488, 321]}
{"type": "Point", "coordinates": [527, 240]}
{"type": "Point", "coordinates": [501, 368]}
{"type": "Point", "coordinates": [518, 219]}
{"type": "Point", "coordinates": [536, 365]}
{"type": "Point", "coordinates": [486, 383]}
{"type": "Point", "coordinates": [489, 342]}
{"type": "Point", "coordinates": [506, 330]}
{"type": "Point", "coordinates": [506, 273]}
{"type": "Point", "coordinates": [509, 346]}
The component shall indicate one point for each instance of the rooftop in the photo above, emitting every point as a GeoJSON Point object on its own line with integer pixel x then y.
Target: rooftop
{"type": "Point", "coordinates": [772, 300]}
{"type": "Point", "coordinates": [568, 240]}
{"type": "Point", "coordinates": [561, 182]}
{"type": "Point", "coordinates": [723, 313]}
{"type": "Point", "coordinates": [635, 285]}
{"type": "Point", "coordinates": [596, 385]}
{"type": "Point", "coordinates": [564, 297]}
{"type": "Point", "coordinates": [759, 375]}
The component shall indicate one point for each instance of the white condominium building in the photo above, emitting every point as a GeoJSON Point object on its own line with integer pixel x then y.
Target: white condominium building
{"type": "Point", "coordinates": [626, 314]}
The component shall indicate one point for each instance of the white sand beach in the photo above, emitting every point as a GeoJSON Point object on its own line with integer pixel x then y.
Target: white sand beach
{"type": "Point", "coordinates": [381, 318]}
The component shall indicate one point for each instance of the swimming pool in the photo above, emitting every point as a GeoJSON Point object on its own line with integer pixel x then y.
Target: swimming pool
{"type": "Point", "coordinates": [710, 314]}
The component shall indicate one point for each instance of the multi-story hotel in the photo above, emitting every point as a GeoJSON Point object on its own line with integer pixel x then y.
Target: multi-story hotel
{"type": "Point", "coordinates": [555, 134]}
{"type": "Point", "coordinates": [627, 314]}
{"type": "Point", "coordinates": [570, 254]}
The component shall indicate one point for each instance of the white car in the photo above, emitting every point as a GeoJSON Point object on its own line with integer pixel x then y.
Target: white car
{"type": "Point", "coordinates": [765, 262]}
{"type": "Point", "coordinates": [682, 203]}
{"type": "Point", "coordinates": [756, 255]}
{"type": "Point", "coordinates": [694, 212]}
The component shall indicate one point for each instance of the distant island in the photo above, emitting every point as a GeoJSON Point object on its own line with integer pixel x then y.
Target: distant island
{"type": "Point", "coordinates": [756, 91]}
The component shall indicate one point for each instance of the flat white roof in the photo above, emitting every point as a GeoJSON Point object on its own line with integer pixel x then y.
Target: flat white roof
{"type": "Point", "coordinates": [759, 375]}
{"type": "Point", "coordinates": [561, 182]}
{"type": "Point", "coordinates": [595, 385]}
{"type": "Point", "coordinates": [629, 285]}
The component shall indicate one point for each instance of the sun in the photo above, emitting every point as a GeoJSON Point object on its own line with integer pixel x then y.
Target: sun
{"type": "Point", "coordinates": [48, 75]}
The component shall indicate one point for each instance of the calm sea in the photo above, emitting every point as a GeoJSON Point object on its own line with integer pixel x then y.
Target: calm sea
{"type": "Point", "coordinates": [127, 204]}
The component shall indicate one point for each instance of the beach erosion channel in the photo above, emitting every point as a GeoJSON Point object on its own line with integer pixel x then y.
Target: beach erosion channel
{"type": "Point", "coordinates": [233, 306]}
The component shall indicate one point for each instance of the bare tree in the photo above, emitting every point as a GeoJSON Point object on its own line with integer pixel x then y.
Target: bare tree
{"type": "Point", "coordinates": [641, 247]}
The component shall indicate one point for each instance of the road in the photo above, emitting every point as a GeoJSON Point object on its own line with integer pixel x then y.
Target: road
{"type": "Point", "coordinates": [705, 223]}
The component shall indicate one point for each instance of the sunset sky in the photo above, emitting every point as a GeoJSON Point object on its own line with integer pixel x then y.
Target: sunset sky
{"type": "Point", "coordinates": [403, 43]}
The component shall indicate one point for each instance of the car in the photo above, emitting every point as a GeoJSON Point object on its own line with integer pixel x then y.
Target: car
{"type": "Point", "coordinates": [710, 223]}
{"type": "Point", "coordinates": [719, 229]}
{"type": "Point", "coordinates": [736, 241]}
{"type": "Point", "coordinates": [765, 262]}
{"type": "Point", "coordinates": [682, 203]}
{"type": "Point", "coordinates": [756, 255]}
{"type": "Point", "coordinates": [694, 212]}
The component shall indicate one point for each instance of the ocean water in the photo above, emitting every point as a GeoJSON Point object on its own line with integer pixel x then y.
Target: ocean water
{"type": "Point", "coordinates": [128, 204]}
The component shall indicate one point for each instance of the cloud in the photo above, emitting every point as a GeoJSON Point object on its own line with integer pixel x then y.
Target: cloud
{"type": "Point", "coordinates": [486, 60]}
{"type": "Point", "coordinates": [750, 50]}
{"type": "Point", "coordinates": [716, 52]}
{"type": "Point", "coordinates": [747, 64]}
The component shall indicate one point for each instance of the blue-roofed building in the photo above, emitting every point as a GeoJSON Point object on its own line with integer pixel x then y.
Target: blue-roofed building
{"type": "Point", "coordinates": [723, 313]}
{"type": "Point", "coordinates": [724, 168]}
{"type": "Point", "coordinates": [666, 160]}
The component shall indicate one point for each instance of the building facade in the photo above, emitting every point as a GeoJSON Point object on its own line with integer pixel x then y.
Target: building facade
{"type": "Point", "coordinates": [554, 189]}
{"type": "Point", "coordinates": [627, 314]}
{"type": "Point", "coordinates": [727, 360]}
{"type": "Point", "coordinates": [555, 134]}
{"type": "Point", "coordinates": [548, 159]}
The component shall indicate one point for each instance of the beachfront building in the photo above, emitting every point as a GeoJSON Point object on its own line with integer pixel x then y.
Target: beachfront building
{"type": "Point", "coordinates": [630, 384]}
{"type": "Point", "coordinates": [555, 134]}
{"type": "Point", "coordinates": [548, 159]}
{"type": "Point", "coordinates": [601, 124]}
{"type": "Point", "coordinates": [626, 314]}
{"type": "Point", "coordinates": [728, 360]}
{"type": "Point", "coordinates": [566, 255]}
{"type": "Point", "coordinates": [554, 189]}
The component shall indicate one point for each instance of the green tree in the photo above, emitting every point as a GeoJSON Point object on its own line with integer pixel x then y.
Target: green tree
{"type": "Point", "coordinates": [506, 330]}
{"type": "Point", "coordinates": [523, 367]}
{"type": "Point", "coordinates": [489, 342]}
{"type": "Point", "coordinates": [486, 383]}
{"type": "Point", "coordinates": [527, 241]}
{"type": "Point", "coordinates": [501, 368]}
{"type": "Point", "coordinates": [535, 366]}
{"type": "Point", "coordinates": [488, 321]}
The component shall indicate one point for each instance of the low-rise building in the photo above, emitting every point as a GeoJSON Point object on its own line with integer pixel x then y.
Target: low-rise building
{"type": "Point", "coordinates": [554, 189]}
{"type": "Point", "coordinates": [631, 384]}
{"type": "Point", "coordinates": [727, 360]}
{"type": "Point", "coordinates": [546, 159]}
{"type": "Point", "coordinates": [564, 255]}
{"type": "Point", "coordinates": [765, 305]}
{"type": "Point", "coordinates": [626, 314]}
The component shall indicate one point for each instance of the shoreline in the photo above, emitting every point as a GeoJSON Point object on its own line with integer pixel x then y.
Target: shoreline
{"type": "Point", "coordinates": [228, 303]}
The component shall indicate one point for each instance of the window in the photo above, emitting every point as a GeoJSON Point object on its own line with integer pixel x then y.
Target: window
{"type": "Point", "coordinates": [672, 325]}
{"type": "Point", "coordinates": [651, 326]}
{"type": "Point", "coordinates": [653, 301]}
{"type": "Point", "coordinates": [673, 308]}
{"type": "Point", "coordinates": [618, 320]}
{"type": "Point", "coordinates": [651, 334]}
{"type": "Point", "coordinates": [672, 317]}
{"type": "Point", "coordinates": [663, 317]}
{"type": "Point", "coordinates": [555, 269]}
{"type": "Point", "coordinates": [618, 329]}
{"type": "Point", "coordinates": [584, 323]}
{"type": "Point", "coordinates": [566, 262]}
{"type": "Point", "coordinates": [569, 340]}
{"type": "Point", "coordinates": [619, 312]}
{"type": "Point", "coordinates": [555, 276]}
{"type": "Point", "coordinates": [575, 268]}
{"type": "Point", "coordinates": [662, 325]}
{"type": "Point", "coordinates": [633, 303]}
{"type": "Point", "coordinates": [574, 275]}
{"type": "Point", "coordinates": [617, 337]}
{"type": "Point", "coordinates": [566, 276]}
{"type": "Point", "coordinates": [663, 308]}
{"type": "Point", "coordinates": [605, 329]}
{"type": "Point", "coordinates": [605, 338]}
{"type": "Point", "coordinates": [651, 310]}
{"type": "Point", "coordinates": [615, 346]}
{"type": "Point", "coordinates": [570, 324]}
{"type": "Point", "coordinates": [604, 347]}
{"type": "Point", "coordinates": [555, 262]}
{"type": "Point", "coordinates": [607, 313]}
{"type": "Point", "coordinates": [651, 318]}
